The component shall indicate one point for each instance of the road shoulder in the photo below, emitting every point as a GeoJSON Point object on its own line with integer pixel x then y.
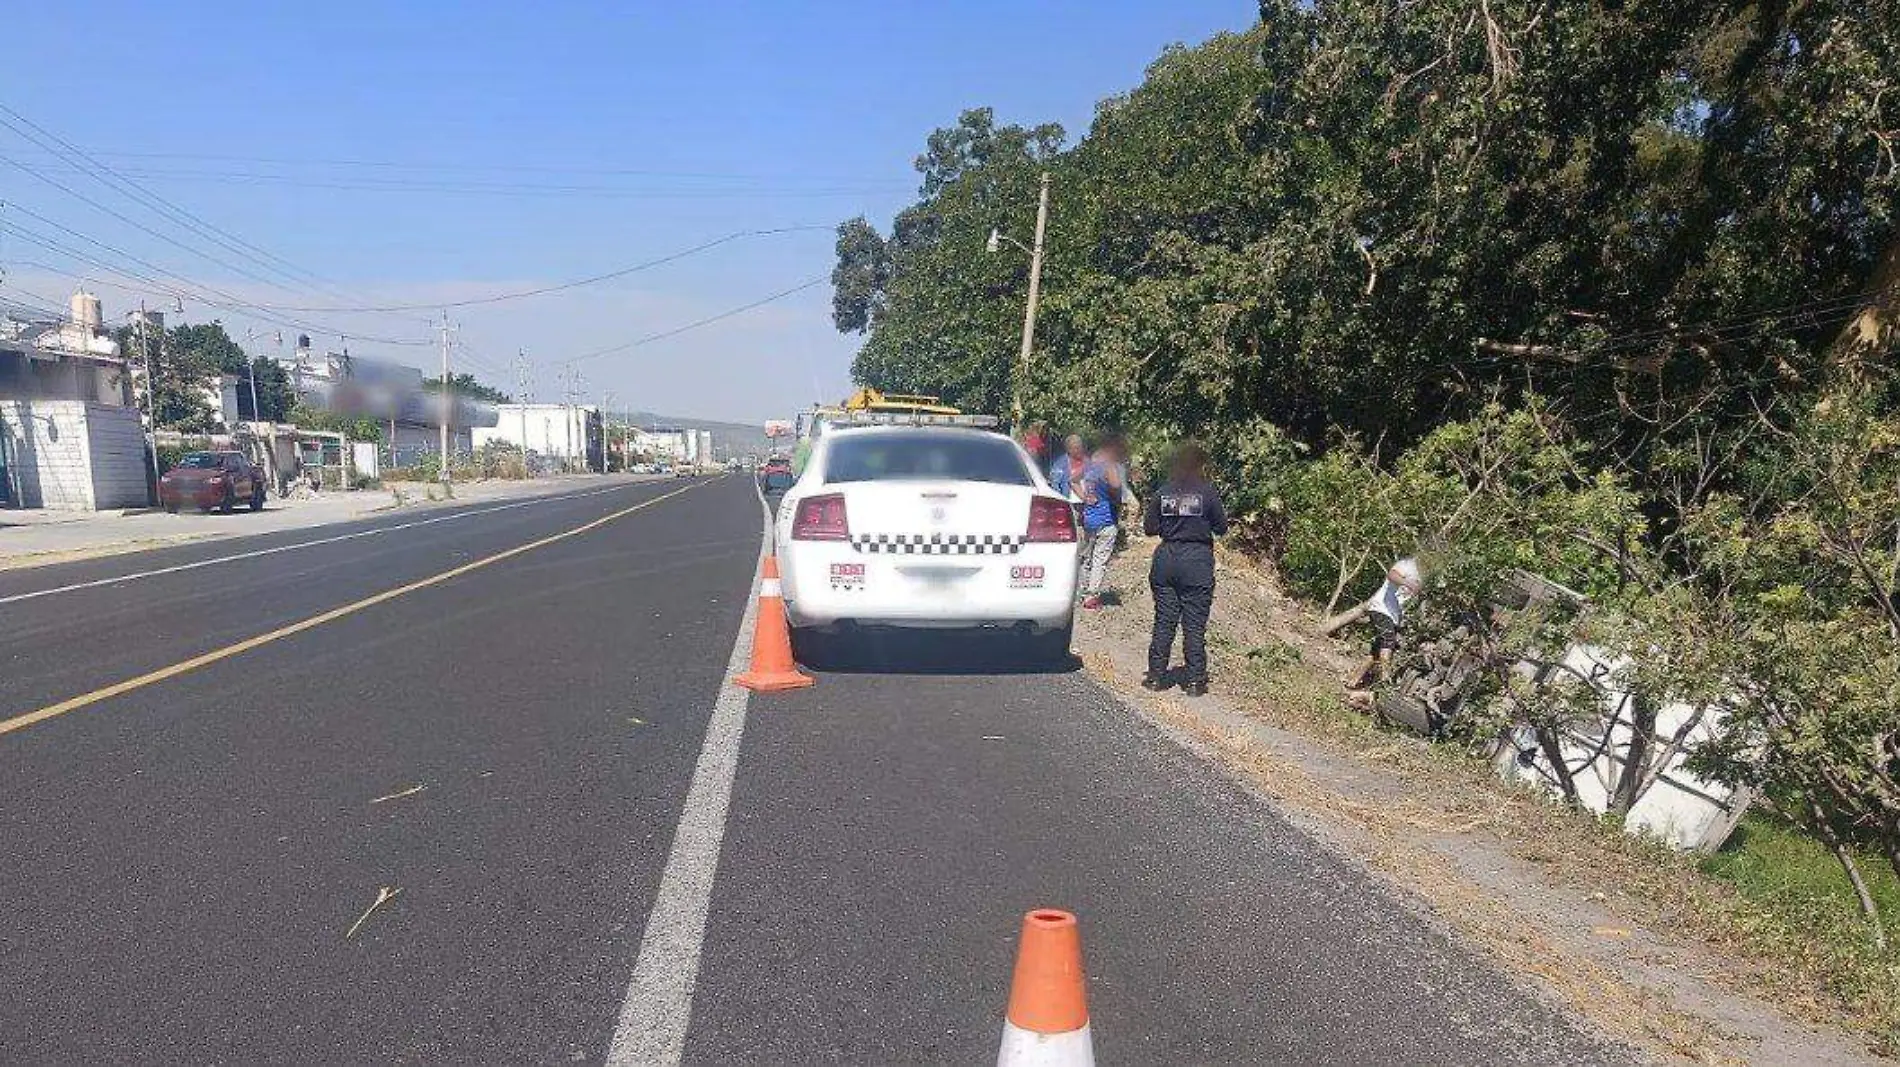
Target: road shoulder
{"type": "Point", "coordinates": [45, 540]}
{"type": "Point", "coordinates": [1546, 897]}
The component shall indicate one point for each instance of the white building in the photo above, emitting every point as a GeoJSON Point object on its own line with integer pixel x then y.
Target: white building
{"type": "Point", "coordinates": [667, 445]}
{"type": "Point", "coordinates": [70, 438]}
{"type": "Point", "coordinates": [568, 434]}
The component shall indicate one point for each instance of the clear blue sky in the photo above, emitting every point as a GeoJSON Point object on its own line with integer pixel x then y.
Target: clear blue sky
{"type": "Point", "coordinates": [416, 152]}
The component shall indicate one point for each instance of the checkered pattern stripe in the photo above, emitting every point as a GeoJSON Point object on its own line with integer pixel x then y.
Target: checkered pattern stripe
{"type": "Point", "coordinates": [939, 544]}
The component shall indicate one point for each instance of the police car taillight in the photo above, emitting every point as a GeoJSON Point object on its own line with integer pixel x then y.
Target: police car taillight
{"type": "Point", "coordinates": [821, 518]}
{"type": "Point", "coordinates": [1050, 519]}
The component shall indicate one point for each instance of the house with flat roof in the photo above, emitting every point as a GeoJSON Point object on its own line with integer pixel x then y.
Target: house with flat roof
{"type": "Point", "coordinates": [70, 436]}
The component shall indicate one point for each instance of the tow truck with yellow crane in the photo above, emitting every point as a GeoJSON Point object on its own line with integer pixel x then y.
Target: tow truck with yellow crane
{"type": "Point", "coordinates": [869, 405]}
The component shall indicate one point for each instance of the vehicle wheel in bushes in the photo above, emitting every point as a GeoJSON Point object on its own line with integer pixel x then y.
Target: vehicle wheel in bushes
{"type": "Point", "coordinates": [1402, 709]}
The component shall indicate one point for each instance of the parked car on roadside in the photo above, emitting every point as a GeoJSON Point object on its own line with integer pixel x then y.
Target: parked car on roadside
{"type": "Point", "coordinates": [776, 475]}
{"type": "Point", "coordinates": [209, 480]}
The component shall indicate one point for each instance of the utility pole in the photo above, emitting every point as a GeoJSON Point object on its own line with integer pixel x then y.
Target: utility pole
{"type": "Point", "coordinates": [1029, 312]}
{"type": "Point", "coordinates": [571, 393]}
{"type": "Point", "coordinates": [524, 384]}
{"type": "Point", "coordinates": [579, 426]}
{"type": "Point", "coordinates": [567, 421]}
{"type": "Point", "coordinates": [151, 411]}
{"type": "Point", "coordinates": [250, 363]}
{"type": "Point", "coordinates": [448, 403]}
{"type": "Point", "coordinates": [606, 432]}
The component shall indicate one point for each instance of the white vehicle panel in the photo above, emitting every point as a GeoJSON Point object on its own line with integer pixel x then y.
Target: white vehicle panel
{"type": "Point", "coordinates": [925, 553]}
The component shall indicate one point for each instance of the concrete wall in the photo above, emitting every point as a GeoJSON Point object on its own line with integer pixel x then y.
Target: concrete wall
{"type": "Point", "coordinates": [70, 455]}
{"type": "Point", "coordinates": [413, 440]}
{"type": "Point", "coordinates": [571, 434]}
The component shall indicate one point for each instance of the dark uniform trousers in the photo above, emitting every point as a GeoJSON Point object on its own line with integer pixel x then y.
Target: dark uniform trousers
{"type": "Point", "coordinates": [1182, 577]}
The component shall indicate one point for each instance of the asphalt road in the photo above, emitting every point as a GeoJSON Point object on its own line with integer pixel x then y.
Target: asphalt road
{"type": "Point", "coordinates": [187, 853]}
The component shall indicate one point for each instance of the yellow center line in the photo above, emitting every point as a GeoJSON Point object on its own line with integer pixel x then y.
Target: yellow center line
{"type": "Point", "coordinates": [21, 722]}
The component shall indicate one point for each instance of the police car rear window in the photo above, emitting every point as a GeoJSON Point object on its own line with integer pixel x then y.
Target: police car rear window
{"type": "Point", "coordinates": [915, 456]}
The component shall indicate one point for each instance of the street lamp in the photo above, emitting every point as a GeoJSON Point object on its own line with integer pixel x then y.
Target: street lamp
{"type": "Point", "coordinates": [995, 244]}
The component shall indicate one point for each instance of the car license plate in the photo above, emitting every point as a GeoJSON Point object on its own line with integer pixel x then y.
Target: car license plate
{"type": "Point", "coordinates": [847, 575]}
{"type": "Point", "coordinates": [1025, 577]}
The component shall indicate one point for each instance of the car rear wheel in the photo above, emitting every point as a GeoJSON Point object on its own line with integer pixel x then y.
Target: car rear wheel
{"type": "Point", "coordinates": [1052, 647]}
{"type": "Point", "coordinates": [171, 509]}
{"type": "Point", "coordinates": [812, 648]}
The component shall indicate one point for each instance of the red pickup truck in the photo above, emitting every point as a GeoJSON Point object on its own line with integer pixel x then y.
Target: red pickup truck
{"type": "Point", "coordinates": [209, 480]}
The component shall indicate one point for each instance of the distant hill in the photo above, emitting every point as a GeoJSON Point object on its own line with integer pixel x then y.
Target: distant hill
{"type": "Point", "coordinates": [729, 438]}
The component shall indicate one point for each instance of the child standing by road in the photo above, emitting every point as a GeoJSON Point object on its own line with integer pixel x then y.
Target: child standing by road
{"type": "Point", "coordinates": [1386, 612]}
{"type": "Point", "coordinates": [1186, 514]}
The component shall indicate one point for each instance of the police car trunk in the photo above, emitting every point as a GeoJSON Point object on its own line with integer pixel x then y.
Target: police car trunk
{"type": "Point", "coordinates": [926, 523]}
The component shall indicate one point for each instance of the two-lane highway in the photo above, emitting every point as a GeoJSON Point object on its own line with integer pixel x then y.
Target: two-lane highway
{"type": "Point", "coordinates": [184, 859]}
{"type": "Point", "coordinates": [498, 720]}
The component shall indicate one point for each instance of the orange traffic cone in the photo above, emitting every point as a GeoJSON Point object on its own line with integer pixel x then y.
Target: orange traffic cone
{"type": "Point", "coordinates": [772, 666]}
{"type": "Point", "coordinates": [1048, 1022]}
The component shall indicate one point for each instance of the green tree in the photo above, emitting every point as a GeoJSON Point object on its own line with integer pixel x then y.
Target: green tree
{"type": "Point", "coordinates": [1607, 292]}
{"type": "Point", "coordinates": [184, 366]}
{"type": "Point", "coordinates": [468, 385]}
{"type": "Point", "coordinates": [943, 316]}
{"type": "Point", "coordinates": [862, 275]}
{"type": "Point", "coordinates": [275, 393]}
{"type": "Point", "coordinates": [355, 427]}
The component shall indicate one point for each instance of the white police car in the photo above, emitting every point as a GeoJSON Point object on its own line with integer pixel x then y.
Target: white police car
{"type": "Point", "coordinates": [927, 526]}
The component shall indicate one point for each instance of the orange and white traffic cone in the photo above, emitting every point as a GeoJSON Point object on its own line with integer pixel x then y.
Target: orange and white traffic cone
{"type": "Point", "coordinates": [1048, 1022]}
{"type": "Point", "coordinates": [773, 668]}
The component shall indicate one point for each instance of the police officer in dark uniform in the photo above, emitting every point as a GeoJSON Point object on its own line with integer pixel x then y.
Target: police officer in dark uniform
{"type": "Point", "coordinates": [1186, 514]}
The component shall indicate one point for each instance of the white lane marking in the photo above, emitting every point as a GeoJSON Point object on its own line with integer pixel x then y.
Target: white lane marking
{"type": "Point", "coordinates": [136, 576]}
{"type": "Point", "coordinates": [651, 1028]}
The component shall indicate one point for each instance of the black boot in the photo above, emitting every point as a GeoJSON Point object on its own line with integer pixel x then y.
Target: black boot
{"type": "Point", "coordinates": [1194, 689]}
{"type": "Point", "coordinates": [1154, 683]}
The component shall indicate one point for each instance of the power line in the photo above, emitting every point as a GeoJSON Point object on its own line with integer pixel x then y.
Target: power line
{"type": "Point", "coordinates": [43, 307]}
{"type": "Point", "coordinates": [191, 290]}
{"type": "Point", "coordinates": [518, 168]}
{"type": "Point", "coordinates": [474, 358]}
{"type": "Point", "coordinates": [504, 189]}
{"type": "Point", "coordinates": [1722, 329]}
{"type": "Point", "coordinates": [707, 321]}
{"type": "Point", "coordinates": [562, 286]}
{"type": "Point", "coordinates": [1718, 328]}
{"type": "Point", "coordinates": [134, 223]}
{"type": "Point", "coordinates": [105, 175]}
